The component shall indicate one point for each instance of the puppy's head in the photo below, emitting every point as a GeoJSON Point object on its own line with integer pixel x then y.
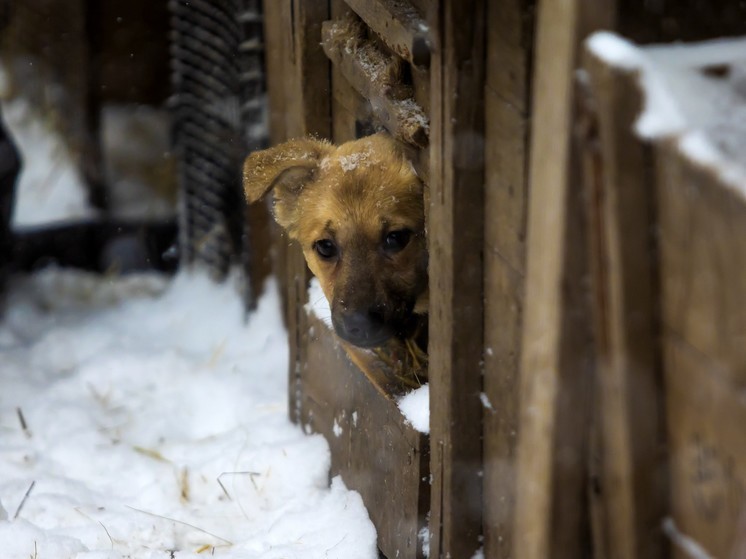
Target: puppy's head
{"type": "Point", "coordinates": [357, 211]}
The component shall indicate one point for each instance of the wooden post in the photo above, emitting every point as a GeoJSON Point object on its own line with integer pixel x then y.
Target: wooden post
{"type": "Point", "coordinates": [556, 363]}
{"type": "Point", "coordinates": [299, 106]}
{"type": "Point", "coordinates": [456, 310]}
{"type": "Point", "coordinates": [507, 103]}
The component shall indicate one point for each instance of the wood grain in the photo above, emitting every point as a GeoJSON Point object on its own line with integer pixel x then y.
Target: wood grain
{"type": "Point", "coordinates": [456, 222]}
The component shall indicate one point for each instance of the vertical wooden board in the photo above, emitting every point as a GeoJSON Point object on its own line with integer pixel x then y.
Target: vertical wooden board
{"type": "Point", "coordinates": [506, 194]}
{"type": "Point", "coordinates": [509, 49]}
{"type": "Point", "coordinates": [372, 448]}
{"type": "Point", "coordinates": [502, 323]}
{"type": "Point", "coordinates": [707, 448]}
{"type": "Point", "coordinates": [540, 375]}
{"type": "Point", "coordinates": [629, 384]}
{"type": "Point", "coordinates": [304, 101]}
{"type": "Point", "coordinates": [456, 275]}
{"type": "Point", "coordinates": [276, 53]}
{"type": "Point", "coordinates": [703, 252]}
{"type": "Point", "coordinates": [556, 361]}
{"type": "Point", "coordinates": [310, 91]}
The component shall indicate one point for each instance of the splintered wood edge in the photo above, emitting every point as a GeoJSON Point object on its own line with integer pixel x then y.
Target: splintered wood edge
{"type": "Point", "coordinates": [404, 118]}
{"type": "Point", "coordinates": [399, 26]}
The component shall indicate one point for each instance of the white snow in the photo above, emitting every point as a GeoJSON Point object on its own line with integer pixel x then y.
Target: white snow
{"type": "Point", "coordinates": [693, 95]}
{"type": "Point", "coordinates": [50, 187]}
{"type": "Point", "coordinates": [318, 305]}
{"type": "Point", "coordinates": [415, 407]}
{"type": "Point", "coordinates": [486, 402]}
{"type": "Point", "coordinates": [424, 537]}
{"type": "Point", "coordinates": [352, 161]}
{"type": "Point", "coordinates": [139, 395]}
{"type": "Point", "coordinates": [337, 429]}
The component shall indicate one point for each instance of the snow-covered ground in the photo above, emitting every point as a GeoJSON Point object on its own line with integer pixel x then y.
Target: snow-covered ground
{"type": "Point", "coordinates": [145, 418]}
{"type": "Point", "coordinates": [149, 418]}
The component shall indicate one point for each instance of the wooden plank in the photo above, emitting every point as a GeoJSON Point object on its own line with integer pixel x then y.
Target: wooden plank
{"type": "Point", "coordinates": [703, 263]}
{"type": "Point", "coordinates": [506, 169]}
{"type": "Point", "coordinates": [377, 77]}
{"type": "Point", "coordinates": [509, 47]}
{"type": "Point", "coordinates": [509, 51]}
{"type": "Point", "coordinates": [399, 25]}
{"type": "Point", "coordinates": [302, 107]}
{"type": "Point", "coordinates": [625, 277]}
{"type": "Point", "coordinates": [372, 447]}
{"type": "Point", "coordinates": [556, 361]}
{"type": "Point", "coordinates": [277, 52]}
{"type": "Point", "coordinates": [703, 260]}
{"type": "Point", "coordinates": [456, 234]}
{"type": "Point", "coordinates": [706, 419]}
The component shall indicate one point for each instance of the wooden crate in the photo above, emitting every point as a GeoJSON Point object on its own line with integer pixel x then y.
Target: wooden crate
{"type": "Point", "coordinates": [671, 263]}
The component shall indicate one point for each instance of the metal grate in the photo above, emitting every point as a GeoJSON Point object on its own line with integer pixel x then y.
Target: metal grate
{"type": "Point", "coordinates": [219, 113]}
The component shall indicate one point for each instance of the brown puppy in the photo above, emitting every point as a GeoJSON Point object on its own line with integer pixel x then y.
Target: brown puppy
{"type": "Point", "coordinates": [357, 210]}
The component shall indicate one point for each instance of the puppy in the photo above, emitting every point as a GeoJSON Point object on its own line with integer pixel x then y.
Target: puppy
{"type": "Point", "coordinates": [357, 211]}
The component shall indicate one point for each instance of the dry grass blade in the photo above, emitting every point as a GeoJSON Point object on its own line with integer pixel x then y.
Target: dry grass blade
{"type": "Point", "coordinates": [25, 498]}
{"type": "Point", "coordinates": [177, 521]}
{"type": "Point", "coordinates": [250, 474]}
{"type": "Point", "coordinates": [22, 421]}
{"type": "Point", "coordinates": [154, 454]}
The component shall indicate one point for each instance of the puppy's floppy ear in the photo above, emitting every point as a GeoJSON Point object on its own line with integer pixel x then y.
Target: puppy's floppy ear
{"type": "Point", "coordinates": [286, 167]}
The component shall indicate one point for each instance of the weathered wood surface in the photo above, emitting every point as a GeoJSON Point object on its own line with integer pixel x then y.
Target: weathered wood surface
{"type": "Point", "coordinates": [299, 106]}
{"type": "Point", "coordinates": [347, 394]}
{"type": "Point", "coordinates": [703, 265]}
{"type": "Point", "coordinates": [399, 25]}
{"type": "Point", "coordinates": [372, 447]}
{"type": "Point", "coordinates": [629, 384]}
{"type": "Point", "coordinates": [551, 517]}
{"type": "Point", "coordinates": [377, 77]}
{"type": "Point", "coordinates": [507, 102]}
{"type": "Point", "coordinates": [456, 223]}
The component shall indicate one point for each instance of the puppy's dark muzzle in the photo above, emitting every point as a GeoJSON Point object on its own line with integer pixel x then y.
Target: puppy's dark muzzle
{"type": "Point", "coordinates": [363, 329]}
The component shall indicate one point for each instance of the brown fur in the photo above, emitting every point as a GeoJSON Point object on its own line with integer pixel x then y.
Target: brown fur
{"type": "Point", "coordinates": [354, 195]}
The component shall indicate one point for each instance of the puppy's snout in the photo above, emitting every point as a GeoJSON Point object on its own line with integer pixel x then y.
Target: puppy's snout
{"type": "Point", "coordinates": [362, 328]}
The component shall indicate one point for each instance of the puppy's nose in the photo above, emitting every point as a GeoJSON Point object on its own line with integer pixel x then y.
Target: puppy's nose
{"type": "Point", "coordinates": [363, 328]}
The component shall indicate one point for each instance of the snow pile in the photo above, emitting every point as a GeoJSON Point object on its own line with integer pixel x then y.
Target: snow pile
{"type": "Point", "coordinates": [49, 187]}
{"type": "Point", "coordinates": [693, 94]}
{"type": "Point", "coordinates": [415, 407]}
{"type": "Point", "coordinates": [145, 419]}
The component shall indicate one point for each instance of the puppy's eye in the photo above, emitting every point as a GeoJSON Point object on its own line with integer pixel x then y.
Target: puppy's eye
{"type": "Point", "coordinates": [394, 241]}
{"type": "Point", "coordinates": [325, 248]}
